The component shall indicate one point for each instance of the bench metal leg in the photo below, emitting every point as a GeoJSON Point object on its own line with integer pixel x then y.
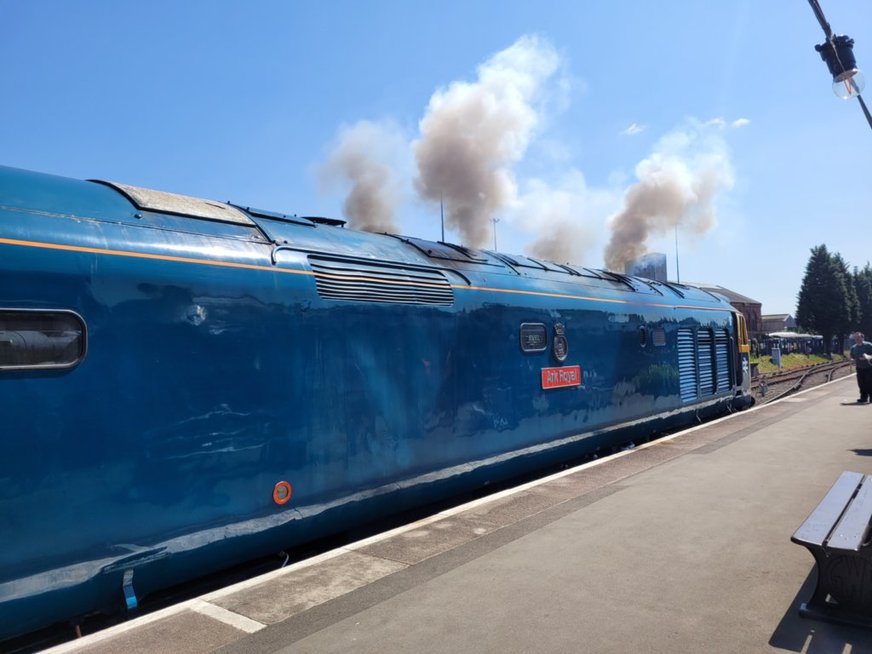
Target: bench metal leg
{"type": "Point", "coordinates": [843, 593]}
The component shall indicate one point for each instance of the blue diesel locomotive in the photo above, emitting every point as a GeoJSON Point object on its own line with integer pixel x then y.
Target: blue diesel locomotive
{"type": "Point", "coordinates": [188, 384]}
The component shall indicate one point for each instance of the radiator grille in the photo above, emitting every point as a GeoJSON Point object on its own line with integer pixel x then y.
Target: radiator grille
{"type": "Point", "coordinates": [705, 362]}
{"type": "Point", "coordinates": [686, 364]}
{"type": "Point", "coordinates": [722, 357]}
{"type": "Point", "coordinates": [374, 282]}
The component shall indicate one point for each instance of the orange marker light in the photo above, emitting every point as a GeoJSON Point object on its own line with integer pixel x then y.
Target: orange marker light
{"type": "Point", "coordinates": [282, 493]}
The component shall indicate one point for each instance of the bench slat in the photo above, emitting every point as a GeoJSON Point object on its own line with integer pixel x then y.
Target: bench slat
{"type": "Point", "coordinates": [849, 533]}
{"type": "Point", "coordinates": [819, 524]}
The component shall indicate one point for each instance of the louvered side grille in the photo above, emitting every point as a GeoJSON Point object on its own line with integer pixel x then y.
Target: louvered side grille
{"type": "Point", "coordinates": [722, 357]}
{"type": "Point", "coordinates": [686, 364]}
{"type": "Point", "coordinates": [373, 282]}
{"type": "Point", "coordinates": [705, 361]}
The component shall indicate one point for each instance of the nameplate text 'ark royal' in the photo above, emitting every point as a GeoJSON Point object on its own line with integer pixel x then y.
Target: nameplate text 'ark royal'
{"type": "Point", "coordinates": [561, 377]}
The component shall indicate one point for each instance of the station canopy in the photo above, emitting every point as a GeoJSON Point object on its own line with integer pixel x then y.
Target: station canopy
{"type": "Point", "coordinates": [794, 336]}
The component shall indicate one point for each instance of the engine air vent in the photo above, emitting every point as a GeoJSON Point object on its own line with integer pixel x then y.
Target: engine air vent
{"type": "Point", "coordinates": [722, 359]}
{"type": "Point", "coordinates": [687, 377]}
{"type": "Point", "coordinates": [337, 279]}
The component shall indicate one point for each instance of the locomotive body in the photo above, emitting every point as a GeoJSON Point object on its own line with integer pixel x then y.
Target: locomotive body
{"type": "Point", "coordinates": [188, 384]}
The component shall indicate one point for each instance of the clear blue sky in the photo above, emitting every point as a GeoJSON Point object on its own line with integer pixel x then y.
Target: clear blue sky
{"type": "Point", "coordinates": [247, 102]}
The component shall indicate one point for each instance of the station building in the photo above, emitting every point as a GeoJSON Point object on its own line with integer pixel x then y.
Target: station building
{"type": "Point", "coordinates": [750, 308]}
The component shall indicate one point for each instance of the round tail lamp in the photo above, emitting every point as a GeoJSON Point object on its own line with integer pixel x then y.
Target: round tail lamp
{"type": "Point", "coordinates": [282, 493]}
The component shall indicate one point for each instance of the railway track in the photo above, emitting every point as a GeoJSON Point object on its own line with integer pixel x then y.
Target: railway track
{"type": "Point", "coordinates": [773, 387]}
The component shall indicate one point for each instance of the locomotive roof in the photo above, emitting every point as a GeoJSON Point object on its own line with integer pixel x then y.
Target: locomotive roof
{"type": "Point", "coordinates": [180, 214]}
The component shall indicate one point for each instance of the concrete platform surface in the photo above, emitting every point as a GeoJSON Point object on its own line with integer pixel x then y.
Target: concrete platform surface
{"type": "Point", "coordinates": [682, 545]}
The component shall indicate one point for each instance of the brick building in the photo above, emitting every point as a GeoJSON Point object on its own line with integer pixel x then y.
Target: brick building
{"type": "Point", "coordinates": [750, 308]}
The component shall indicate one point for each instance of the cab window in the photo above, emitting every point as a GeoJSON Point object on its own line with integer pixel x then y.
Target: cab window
{"type": "Point", "coordinates": [36, 339]}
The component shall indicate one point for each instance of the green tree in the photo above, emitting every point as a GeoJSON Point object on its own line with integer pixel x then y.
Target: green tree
{"type": "Point", "coordinates": [863, 287]}
{"type": "Point", "coordinates": [853, 318]}
{"type": "Point", "coordinates": [823, 306]}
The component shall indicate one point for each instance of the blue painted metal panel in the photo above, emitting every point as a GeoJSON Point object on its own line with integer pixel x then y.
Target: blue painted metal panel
{"type": "Point", "coordinates": [22, 189]}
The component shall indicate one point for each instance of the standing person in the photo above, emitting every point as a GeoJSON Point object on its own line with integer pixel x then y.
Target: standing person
{"type": "Point", "coordinates": [861, 353]}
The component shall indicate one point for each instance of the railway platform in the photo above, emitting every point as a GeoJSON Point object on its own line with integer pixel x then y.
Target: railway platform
{"type": "Point", "coordinates": [680, 545]}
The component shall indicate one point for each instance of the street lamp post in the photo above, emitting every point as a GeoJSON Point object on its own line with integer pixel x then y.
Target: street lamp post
{"type": "Point", "coordinates": [837, 53]}
{"type": "Point", "coordinates": [495, 221]}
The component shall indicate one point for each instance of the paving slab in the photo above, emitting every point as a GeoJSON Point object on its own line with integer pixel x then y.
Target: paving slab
{"type": "Point", "coordinates": [171, 635]}
{"type": "Point", "coordinates": [284, 596]}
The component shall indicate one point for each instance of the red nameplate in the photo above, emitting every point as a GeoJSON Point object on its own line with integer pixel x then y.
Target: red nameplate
{"type": "Point", "coordinates": [560, 377]}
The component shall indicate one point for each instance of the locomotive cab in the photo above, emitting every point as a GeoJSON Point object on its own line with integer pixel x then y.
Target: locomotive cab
{"type": "Point", "coordinates": [744, 398]}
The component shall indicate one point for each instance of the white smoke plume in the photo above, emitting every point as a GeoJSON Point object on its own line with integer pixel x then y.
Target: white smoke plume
{"type": "Point", "coordinates": [677, 186]}
{"type": "Point", "coordinates": [560, 215]}
{"type": "Point", "coordinates": [472, 132]}
{"type": "Point", "coordinates": [364, 160]}
{"type": "Point", "coordinates": [564, 242]}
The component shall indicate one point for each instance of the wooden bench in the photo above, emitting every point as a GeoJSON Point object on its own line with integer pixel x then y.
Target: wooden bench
{"type": "Point", "coordinates": [837, 535]}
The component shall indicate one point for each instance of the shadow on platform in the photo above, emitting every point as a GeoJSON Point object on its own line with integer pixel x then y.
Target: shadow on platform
{"type": "Point", "coordinates": [798, 634]}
